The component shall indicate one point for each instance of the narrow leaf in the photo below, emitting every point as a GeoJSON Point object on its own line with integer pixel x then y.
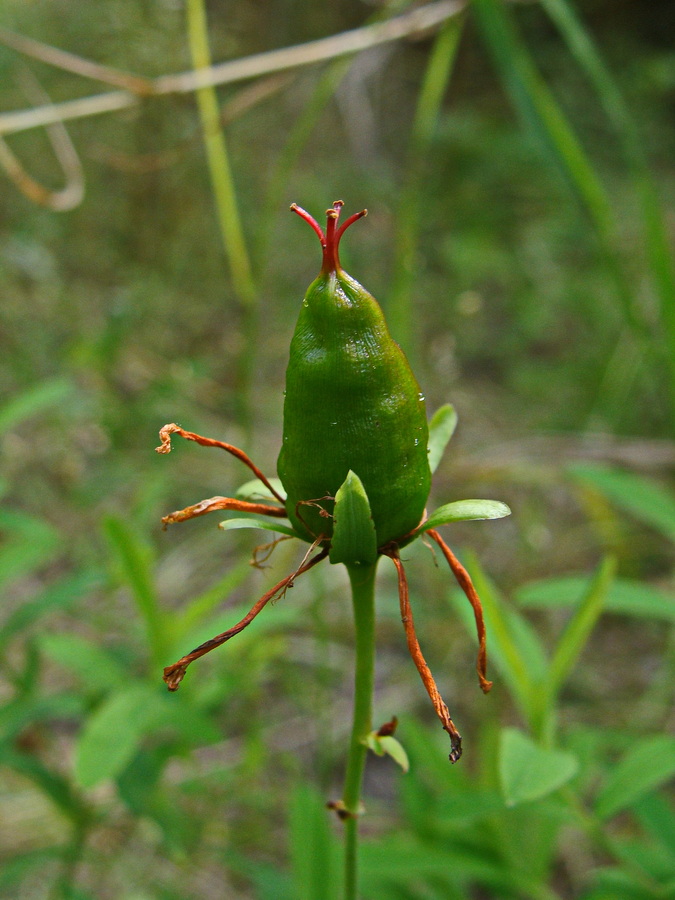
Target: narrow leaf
{"type": "Point", "coordinates": [512, 643]}
{"type": "Point", "coordinates": [644, 498]}
{"type": "Point", "coordinates": [354, 540]}
{"type": "Point", "coordinates": [441, 428]}
{"type": "Point", "coordinates": [312, 847]}
{"type": "Point", "coordinates": [27, 544]}
{"type": "Point", "coordinates": [646, 766]}
{"type": "Point", "coordinates": [579, 627]}
{"type": "Point", "coordinates": [465, 511]}
{"type": "Point", "coordinates": [34, 401]}
{"type": "Point", "coordinates": [527, 771]}
{"type": "Point", "coordinates": [631, 598]}
{"type": "Point", "coordinates": [59, 595]}
{"type": "Point", "coordinates": [94, 666]}
{"type": "Point", "coordinates": [253, 522]}
{"type": "Point", "coordinates": [135, 559]}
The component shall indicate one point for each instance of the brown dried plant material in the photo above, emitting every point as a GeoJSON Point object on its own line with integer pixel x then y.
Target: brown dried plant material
{"type": "Point", "coordinates": [165, 447]}
{"type": "Point", "coordinates": [464, 581]}
{"type": "Point", "coordinates": [214, 504]}
{"type": "Point", "coordinates": [440, 706]}
{"type": "Point", "coordinates": [174, 674]}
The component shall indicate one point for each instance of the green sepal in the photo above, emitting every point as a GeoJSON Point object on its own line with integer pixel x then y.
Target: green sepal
{"type": "Point", "coordinates": [353, 541]}
{"type": "Point", "coordinates": [465, 511]}
{"type": "Point", "coordinates": [441, 429]}
{"type": "Point", "coordinates": [253, 522]}
{"type": "Point", "coordinates": [389, 745]}
{"type": "Point", "coordinates": [257, 490]}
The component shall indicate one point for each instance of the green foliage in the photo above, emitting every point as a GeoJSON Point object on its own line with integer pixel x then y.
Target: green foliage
{"type": "Point", "coordinates": [531, 280]}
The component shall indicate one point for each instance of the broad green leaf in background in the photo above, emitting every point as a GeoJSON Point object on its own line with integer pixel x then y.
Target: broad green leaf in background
{"type": "Point", "coordinates": [465, 511]}
{"type": "Point", "coordinates": [353, 538]}
{"type": "Point", "coordinates": [528, 771]}
{"type": "Point", "coordinates": [647, 765]}
{"type": "Point", "coordinates": [441, 428]}
{"type": "Point", "coordinates": [647, 500]}
{"type": "Point", "coordinates": [113, 732]}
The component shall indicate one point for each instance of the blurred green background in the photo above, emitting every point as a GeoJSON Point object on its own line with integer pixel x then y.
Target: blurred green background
{"type": "Point", "coordinates": [517, 164]}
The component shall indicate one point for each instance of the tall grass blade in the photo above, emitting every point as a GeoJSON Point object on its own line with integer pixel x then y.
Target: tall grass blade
{"type": "Point", "coordinates": [642, 497]}
{"type": "Point", "coordinates": [409, 216]}
{"type": "Point", "coordinates": [133, 558]}
{"type": "Point", "coordinates": [657, 241]}
{"type": "Point", "coordinates": [579, 627]}
{"type": "Point", "coordinates": [227, 208]}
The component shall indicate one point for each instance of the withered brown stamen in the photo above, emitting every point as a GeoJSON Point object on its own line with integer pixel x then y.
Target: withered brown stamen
{"type": "Point", "coordinates": [165, 447]}
{"type": "Point", "coordinates": [212, 504]}
{"type": "Point", "coordinates": [464, 581]}
{"type": "Point", "coordinates": [173, 675]}
{"type": "Point", "coordinates": [442, 710]}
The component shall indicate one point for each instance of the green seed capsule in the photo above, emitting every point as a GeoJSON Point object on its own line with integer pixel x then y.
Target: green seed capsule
{"type": "Point", "coordinates": [352, 402]}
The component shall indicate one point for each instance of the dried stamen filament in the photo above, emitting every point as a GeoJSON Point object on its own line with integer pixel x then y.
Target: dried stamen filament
{"type": "Point", "coordinates": [440, 706]}
{"type": "Point", "coordinates": [222, 503]}
{"type": "Point", "coordinates": [464, 581]}
{"type": "Point", "coordinates": [165, 447]}
{"type": "Point", "coordinates": [174, 674]}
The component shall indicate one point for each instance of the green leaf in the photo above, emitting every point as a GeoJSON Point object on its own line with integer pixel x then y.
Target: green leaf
{"type": "Point", "coordinates": [312, 847]}
{"type": "Point", "coordinates": [59, 595]}
{"type": "Point", "coordinates": [27, 544]}
{"type": "Point", "coordinates": [354, 541]}
{"type": "Point", "coordinates": [441, 428]}
{"type": "Point", "coordinates": [631, 598]}
{"type": "Point", "coordinates": [646, 766]}
{"type": "Point", "coordinates": [256, 490]}
{"type": "Point", "coordinates": [136, 562]}
{"type": "Point", "coordinates": [254, 522]}
{"type": "Point", "coordinates": [394, 748]}
{"type": "Point", "coordinates": [112, 735]}
{"type": "Point", "coordinates": [202, 606]}
{"type": "Point", "coordinates": [579, 627]}
{"type": "Point", "coordinates": [465, 511]}
{"type": "Point", "coordinates": [387, 744]}
{"type": "Point", "coordinates": [34, 401]}
{"type": "Point", "coordinates": [95, 666]}
{"type": "Point", "coordinates": [527, 771]}
{"type": "Point", "coordinates": [513, 645]}
{"type": "Point", "coordinates": [55, 786]}
{"type": "Point", "coordinates": [643, 498]}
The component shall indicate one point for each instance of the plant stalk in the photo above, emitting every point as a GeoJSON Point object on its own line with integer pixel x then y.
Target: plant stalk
{"type": "Point", "coordinates": [362, 579]}
{"type": "Point", "coordinates": [225, 197]}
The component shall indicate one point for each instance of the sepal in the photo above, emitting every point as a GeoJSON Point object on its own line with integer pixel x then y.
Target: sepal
{"type": "Point", "coordinates": [353, 541]}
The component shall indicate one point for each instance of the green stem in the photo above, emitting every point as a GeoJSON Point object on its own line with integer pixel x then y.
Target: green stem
{"type": "Point", "coordinates": [362, 580]}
